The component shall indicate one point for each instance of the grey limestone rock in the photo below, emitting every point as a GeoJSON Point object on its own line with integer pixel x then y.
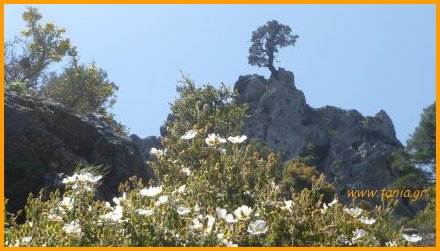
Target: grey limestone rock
{"type": "Point", "coordinates": [44, 138]}
{"type": "Point", "coordinates": [353, 150]}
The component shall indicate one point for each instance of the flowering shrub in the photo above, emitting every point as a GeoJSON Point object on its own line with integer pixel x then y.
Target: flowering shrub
{"type": "Point", "coordinates": [216, 189]}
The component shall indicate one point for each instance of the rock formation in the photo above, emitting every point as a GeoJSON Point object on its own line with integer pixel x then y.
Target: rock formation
{"type": "Point", "coordinates": [44, 139]}
{"type": "Point", "coordinates": [352, 150]}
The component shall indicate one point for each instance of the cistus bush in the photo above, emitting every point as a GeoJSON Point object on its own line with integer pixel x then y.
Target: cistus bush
{"type": "Point", "coordinates": [216, 188]}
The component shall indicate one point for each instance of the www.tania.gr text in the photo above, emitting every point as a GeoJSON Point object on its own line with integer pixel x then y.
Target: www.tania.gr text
{"type": "Point", "coordinates": [386, 193]}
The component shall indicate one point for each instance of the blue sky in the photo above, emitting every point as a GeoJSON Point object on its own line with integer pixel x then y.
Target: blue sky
{"type": "Point", "coordinates": [363, 57]}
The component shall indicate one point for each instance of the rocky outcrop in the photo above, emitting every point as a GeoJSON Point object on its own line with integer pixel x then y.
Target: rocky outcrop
{"type": "Point", "coordinates": [352, 150]}
{"type": "Point", "coordinates": [44, 139]}
{"type": "Point", "coordinates": [145, 145]}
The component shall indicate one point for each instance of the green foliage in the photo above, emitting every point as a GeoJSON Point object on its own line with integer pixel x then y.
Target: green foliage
{"type": "Point", "coordinates": [298, 176]}
{"type": "Point", "coordinates": [425, 220]}
{"type": "Point", "coordinates": [421, 145]}
{"type": "Point", "coordinates": [400, 163]}
{"type": "Point", "coordinates": [266, 41]}
{"type": "Point", "coordinates": [18, 87]}
{"type": "Point", "coordinates": [178, 216]}
{"type": "Point", "coordinates": [208, 110]}
{"type": "Point", "coordinates": [28, 57]}
{"type": "Point", "coordinates": [410, 177]}
{"type": "Point", "coordinates": [205, 108]}
{"type": "Point", "coordinates": [409, 181]}
{"type": "Point", "coordinates": [213, 192]}
{"type": "Point", "coordinates": [85, 88]}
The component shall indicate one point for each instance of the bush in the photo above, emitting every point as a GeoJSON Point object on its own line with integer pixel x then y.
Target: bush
{"type": "Point", "coordinates": [298, 176]}
{"type": "Point", "coordinates": [425, 219]}
{"type": "Point", "coordinates": [214, 190]}
{"type": "Point", "coordinates": [85, 88]}
{"type": "Point", "coordinates": [18, 87]}
{"type": "Point", "coordinates": [185, 216]}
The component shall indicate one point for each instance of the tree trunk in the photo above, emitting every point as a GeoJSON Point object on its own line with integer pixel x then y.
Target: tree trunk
{"type": "Point", "coordinates": [272, 69]}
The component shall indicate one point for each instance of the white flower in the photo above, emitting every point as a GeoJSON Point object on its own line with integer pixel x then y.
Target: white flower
{"type": "Point", "coordinates": [118, 200]}
{"type": "Point", "coordinates": [26, 240]}
{"type": "Point", "coordinates": [257, 227]}
{"type": "Point", "coordinates": [391, 244]}
{"type": "Point", "coordinates": [222, 151]}
{"type": "Point", "coordinates": [334, 202]}
{"type": "Point", "coordinates": [60, 210]}
{"type": "Point", "coordinates": [237, 139]}
{"type": "Point", "coordinates": [115, 215]}
{"type": "Point", "coordinates": [84, 177]}
{"type": "Point", "coordinates": [187, 171]}
{"type": "Point", "coordinates": [221, 212]}
{"type": "Point", "coordinates": [220, 139]}
{"type": "Point", "coordinates": [288, 205]}
{"type": "Point", "coordinates": [156, 152]}
{"type": "Point", "coordinates": [210, 223]}
{"type": "Point", "coordinates": [274, 186]}
{"type": "Point", "coordinates": [196, 208]}
{"type": "Point", "coordinates": [220, 236]}
{"type": "Point", "coordinates": [243, 211]}
{"type": "Point", "coordinates": [181, 189]}
{"type": "Point", "coordinates": [146, 212]}
{"type": "Point", "coordinates": [196, 224]}
{"type": "Point", "coordinates": [162, 200]}
{"type": "Point", "coordinates": [354, 212]}
{"type": "Point", "coordinates": [344, 240]}
{"type": "Point", "coordinates": [151, 191]}
{"type": "Point", "coordinates": [183, 210]}
{"type": "Point", "coordinates": [88, 177]}
{"type": "Point", "coordinates": [73, 228]}
{"type": "Point", "coordinates": [229, 218]}
{"type": "Point", "coordinates": [214, 139]}
{"type": "Point", "coordinates": [358, 234]}
{"type": "Point", "coordinates": [54, 217]}
{"type": "Point", "coordinates": [67, 202]}
{"type": "Point", "coordinates": [189, 134]}
{"type": "Point", "coordinates": [412, 238]}
{"type": "Point", "coordinates": [69, 180]}
{"type": "Point", "coordinates": [228, 243]}
{"type": "Point", "coordinates": [211, 139]}
{"type": "Point", "coordinates": [367, 221]}
{"type": "Point", "coordinates": [324, 208]}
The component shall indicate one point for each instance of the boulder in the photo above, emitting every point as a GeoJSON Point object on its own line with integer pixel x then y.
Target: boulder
{"type": "Point", "coordinates": [44, 141]}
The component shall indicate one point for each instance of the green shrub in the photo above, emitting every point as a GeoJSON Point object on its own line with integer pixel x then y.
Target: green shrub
{"type": "Point", "coordinates": [298, 176]}
{"type": "Point", "coordinates": [216, 189]}
{"type": "Point", "coordinates": [425, 220]}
